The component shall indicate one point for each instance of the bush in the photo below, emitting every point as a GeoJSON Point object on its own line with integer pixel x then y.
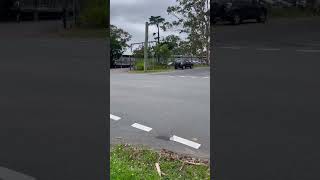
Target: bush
{"type": "Point", "coordinates": [139, 65]}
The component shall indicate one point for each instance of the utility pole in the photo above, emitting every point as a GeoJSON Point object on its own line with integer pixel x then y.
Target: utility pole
{"type": "Point", "coordinates": [75, 2]}
{"type": "Point", "coordinates": [130, 56]}
{"type": "Point", "coordinates": [146, 48]}
{"type": "Point", "coordinates": [35, 12]}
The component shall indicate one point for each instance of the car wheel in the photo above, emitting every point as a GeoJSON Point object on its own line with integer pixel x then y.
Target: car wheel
{"type": "Point", "coordinates": [262, 17]}
{"type": "Point", "coordinates": [236, 19]}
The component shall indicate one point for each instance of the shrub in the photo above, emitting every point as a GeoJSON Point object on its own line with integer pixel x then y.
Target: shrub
{"type": "Point", "coordinates": [151, 65]}
{"type": "Point", "coordinates": [139, 65]}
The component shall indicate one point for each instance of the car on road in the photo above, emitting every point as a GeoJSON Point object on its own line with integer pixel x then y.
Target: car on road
{"type": "Point", "coordinates": [237, 11]}
{"type": "Point", "coordinates": [183, 64]}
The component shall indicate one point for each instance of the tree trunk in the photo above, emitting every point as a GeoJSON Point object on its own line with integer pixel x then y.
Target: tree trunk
{"type": "Point", "coordinates": [158, 33]}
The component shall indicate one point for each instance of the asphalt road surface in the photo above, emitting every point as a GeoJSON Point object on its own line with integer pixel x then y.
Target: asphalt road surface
{"type": "Point", "coordinates": [267, 100]}
{"type": "Point", "coordinates": [174, 104]}
{"type": "Point", "coordinates": [52, 105]}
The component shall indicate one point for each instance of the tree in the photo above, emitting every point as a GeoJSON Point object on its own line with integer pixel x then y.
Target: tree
{"type": "Point", "coordinates": [194, 18]}
{"type": "Point", "coordinates": [183, 48]}
{"type": "Point", "coordinates": [139, 52]}
{"type": "Point", "coordinates": [162, 51]}
{"type": "Point", "coordinates": [159, 22]}
{"type": "Point", "coordinates": [118, 43]}
{"type": "Point", "coordinates": [172, 41]}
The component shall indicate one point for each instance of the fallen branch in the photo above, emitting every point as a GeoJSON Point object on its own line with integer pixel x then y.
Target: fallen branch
{"type": "Point", "coordinates": [182, 166]}
{"type": "Point", "coordinates": [158, 169]}
{"type": "Point", "coordinates": [193, 163]}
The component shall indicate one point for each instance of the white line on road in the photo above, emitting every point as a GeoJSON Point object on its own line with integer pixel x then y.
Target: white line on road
{"type": "Point", "coordinates": [8, 174]}
{"type": "Point", "coordinates": [268, 49]}
{"type": "Point", "coordinates": [141, 127]}
{"type": "Point", "coordinates": [182, 76]}
{"type": "Point", "coordinates": [205, 77]}
{"type": "Point", "coordinates": [185, 141]}
{"type": "Point", "coordinates": [113, 117]}
{"type": "Point", "coordinates": [308, 50]}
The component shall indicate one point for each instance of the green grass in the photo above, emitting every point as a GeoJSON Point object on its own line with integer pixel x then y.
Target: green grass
{"type": "Point", "coordinates": [201, 65]}
{"type": "Point", "coordinates": [152, 71]}
{"type": "Point", "coordinates": [78, 32]}
{"type": "Point", "coordinates": [137, 163]}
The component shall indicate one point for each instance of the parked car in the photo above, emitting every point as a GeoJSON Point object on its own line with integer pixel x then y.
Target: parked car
{"type": "Point", "coordinates": [196, 62]}
{"type": "Point", "coordinates": [301, 3]}
{"type": "Point", "coordinates": [236, 11]}
{"type": "Point", "coordinates": [183, 64]}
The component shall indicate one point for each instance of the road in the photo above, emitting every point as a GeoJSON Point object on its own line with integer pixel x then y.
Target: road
{"type": "Point", "coordinates": [267, 100]}
{"type": "Point", "coordinates": [53, 93]}
{"type": "Point", "coordinates": [174, 104]}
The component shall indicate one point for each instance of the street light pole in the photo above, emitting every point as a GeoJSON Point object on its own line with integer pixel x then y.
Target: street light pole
{"type": "Point", "coordinates": [146, 48]}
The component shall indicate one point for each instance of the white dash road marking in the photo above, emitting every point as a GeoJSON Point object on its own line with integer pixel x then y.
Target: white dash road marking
{"type": "Point", "coordinates": [268, 49]}
{"type": "Point", "coordinates": [308, 50]}
{"type": "Point", "coordinates": [185, 141]}
{"type": "Point", "coordinates": [205, 77]}
{"type": "Point", "coordinates": [113, 117]}
{"type": "Point", "coordinates": [141, 127]}
{"type": "Point", "coordinates": [8, 174]}
{"type": "Point", "coordinates": [182, 76]}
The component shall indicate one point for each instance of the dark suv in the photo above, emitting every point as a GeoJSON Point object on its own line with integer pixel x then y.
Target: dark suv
{"type": "Point", "coordinates": [183, 64]}
{"type": "Point", "coordinates": [236, 11]}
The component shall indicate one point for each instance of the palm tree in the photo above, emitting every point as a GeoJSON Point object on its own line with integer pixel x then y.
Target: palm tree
{"type": "Point", "coordinates": [157, 20]}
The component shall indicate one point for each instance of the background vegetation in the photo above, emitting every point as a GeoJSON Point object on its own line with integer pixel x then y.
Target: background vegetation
{"type": "Point", "coordinates": [94, 14]}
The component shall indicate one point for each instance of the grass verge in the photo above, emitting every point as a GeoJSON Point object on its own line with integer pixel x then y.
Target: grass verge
{"type": "Point", "coordinates": [78, 32]}
{"type": "Point", "coordinates": [151, 71]}
{"type": "Point", "coordinates": [137, 162]}
{"type": "Point", "coordinates": [201, 65]}
{"type": "Point", "coordinates": [292, 12]}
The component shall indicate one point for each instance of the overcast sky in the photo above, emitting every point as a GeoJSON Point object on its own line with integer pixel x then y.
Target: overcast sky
{"type": "Point", "coordinates": [131, 15]}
